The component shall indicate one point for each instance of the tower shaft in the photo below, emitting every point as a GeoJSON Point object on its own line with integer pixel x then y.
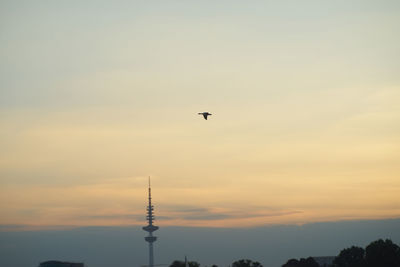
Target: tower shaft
{"type": "Point", "coordinates": [151, 255]}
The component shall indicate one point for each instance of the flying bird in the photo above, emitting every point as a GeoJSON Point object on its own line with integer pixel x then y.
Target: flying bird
{"type": "Point", "coordinates": [205, 114]}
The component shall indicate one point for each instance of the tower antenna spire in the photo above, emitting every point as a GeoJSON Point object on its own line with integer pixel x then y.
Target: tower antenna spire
{"type": "Point", "coordinates": [150, 228]}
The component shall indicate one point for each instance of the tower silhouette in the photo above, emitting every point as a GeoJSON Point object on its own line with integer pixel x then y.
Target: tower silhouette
{"type": "Point", "coordinates": [150, 228]}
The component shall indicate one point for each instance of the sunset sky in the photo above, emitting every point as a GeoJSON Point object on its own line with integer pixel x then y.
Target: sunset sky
{"type": "Point", "coordinates": [95, 96]}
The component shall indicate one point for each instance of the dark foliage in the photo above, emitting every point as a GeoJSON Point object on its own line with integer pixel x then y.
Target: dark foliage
{"type": "Point", "coordinates": [182, 264]}
{"type": "Point", "coordinates": [382, 253]}
{"type": "Point", "coordinates": [350, 257]}
{"type": "Point", "coordinates": [379, 253]}
{"type": "Point", "coordinates": [246, 263]}
{"type": "Point", "coordinates": [309, 262]}
{"type": "Point", "coordinates": [291, 263]}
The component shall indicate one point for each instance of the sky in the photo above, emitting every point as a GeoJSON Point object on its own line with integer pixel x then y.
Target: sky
{"type": "Point", "coordinates": [97, 96]}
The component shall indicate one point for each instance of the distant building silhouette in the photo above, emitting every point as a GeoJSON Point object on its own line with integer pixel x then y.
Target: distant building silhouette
{"type": "Point", "coordinates": [60, 264]}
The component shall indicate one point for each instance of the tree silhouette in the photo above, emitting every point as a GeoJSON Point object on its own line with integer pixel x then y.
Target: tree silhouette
{"type": "Point", "coordinates": [246, 263]}
{"type": "Point", "coordinates": [309, 262]}
{"type": "Point", "coordinates": [382, 253]}
{"type": "Point", "coordinates": [291, 263]}
{"type": "Point", "coordinates": [350, 257]}
{"type": "Point", "coordinates": [177, 263]}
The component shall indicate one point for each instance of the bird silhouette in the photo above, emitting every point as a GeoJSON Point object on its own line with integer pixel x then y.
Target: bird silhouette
{"type": "Point", "coordinates": [205, 114]}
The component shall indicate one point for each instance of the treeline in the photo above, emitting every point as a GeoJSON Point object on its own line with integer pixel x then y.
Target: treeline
{"type": "Point", "coordinates": [239, 263]}
{"type": "Point", "coordinates": [379, 253]}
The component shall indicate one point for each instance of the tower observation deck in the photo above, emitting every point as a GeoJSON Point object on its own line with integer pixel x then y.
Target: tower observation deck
{"type": "Point", "coordinates": [150, 228]}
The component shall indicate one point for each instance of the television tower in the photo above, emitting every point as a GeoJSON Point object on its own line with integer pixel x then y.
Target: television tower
{"type": "Point", "coordinates": [150, 228]}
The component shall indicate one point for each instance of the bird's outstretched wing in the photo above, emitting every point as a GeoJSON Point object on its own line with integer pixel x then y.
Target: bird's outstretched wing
{"type": "Point", "coordinates": [205, 114]}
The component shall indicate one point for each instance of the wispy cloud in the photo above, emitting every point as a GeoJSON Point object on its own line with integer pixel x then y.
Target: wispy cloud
{"type": "Point", "coordinates": [220, 215]}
